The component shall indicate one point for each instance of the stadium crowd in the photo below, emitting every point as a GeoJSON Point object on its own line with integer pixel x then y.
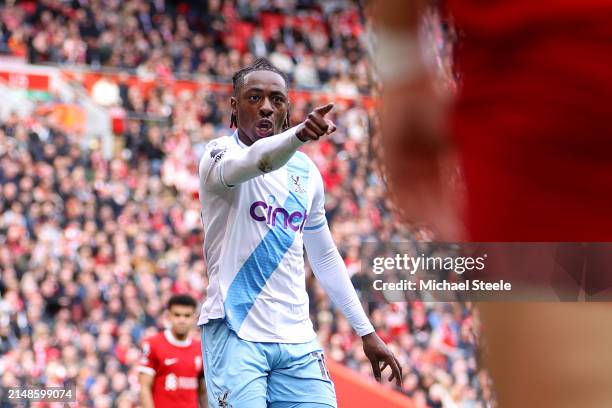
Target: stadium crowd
{"type": "Point", "coordinates": [316, 43]}
{"type": "Point", "coordinates": [92, 249]}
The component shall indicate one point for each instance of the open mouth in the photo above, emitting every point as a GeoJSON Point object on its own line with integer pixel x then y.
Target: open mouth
{"type": "Point", "coordinates": [264, 128]}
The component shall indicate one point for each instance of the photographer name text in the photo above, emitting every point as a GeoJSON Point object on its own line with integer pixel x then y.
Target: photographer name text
{"type": "Point", "coordinates": [441, 285]}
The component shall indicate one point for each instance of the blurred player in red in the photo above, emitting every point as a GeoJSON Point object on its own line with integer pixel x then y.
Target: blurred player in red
{"type": "Point", "coordinates": [531, 128]}
{"type": "Point", "coordinates": [171, 371]}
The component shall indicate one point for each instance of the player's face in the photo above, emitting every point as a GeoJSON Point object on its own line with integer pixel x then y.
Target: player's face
{"type": "Point", "coordinates": [182, 319]}
{"type": "Point", "coordinates": [261, 106]}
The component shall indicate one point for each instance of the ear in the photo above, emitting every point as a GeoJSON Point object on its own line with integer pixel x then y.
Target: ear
{"type": "Point", "coordinates": [234, 105]}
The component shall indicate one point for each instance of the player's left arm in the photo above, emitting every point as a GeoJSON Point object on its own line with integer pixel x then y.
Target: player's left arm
{"type": "Point", "coordinates": [331, 272]}
{"type": "Point", "coordinates": [147, 371]}
{"type": "Point", "coordinates": [203, 397]}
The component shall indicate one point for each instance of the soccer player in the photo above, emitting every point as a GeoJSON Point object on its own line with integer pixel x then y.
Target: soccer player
{"type": "Point", "coordinates": [171, 367]}
{"type": "Point", "coordinates": [262, 201]}
{"type": "Point", "coordinates": [531, 127]}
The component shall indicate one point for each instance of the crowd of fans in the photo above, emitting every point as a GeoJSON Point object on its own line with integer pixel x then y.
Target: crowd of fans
{"type": "Point", "coordinates": [92, 248]}
{"type": "Point", "coordinates": [318, 44]}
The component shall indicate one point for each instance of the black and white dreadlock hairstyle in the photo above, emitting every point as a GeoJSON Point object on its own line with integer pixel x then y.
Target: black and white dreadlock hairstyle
{"type": "Point", "coordinates": [260, 64]}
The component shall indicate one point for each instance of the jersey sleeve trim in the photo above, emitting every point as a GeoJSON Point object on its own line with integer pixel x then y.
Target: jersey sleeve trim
{"type": "Point", "coordinates": [315, 227]}
{"type": "Point", "coordinates": [211, 163]}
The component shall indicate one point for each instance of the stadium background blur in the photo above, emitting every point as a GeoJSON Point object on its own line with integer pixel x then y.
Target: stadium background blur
{"type": "Point", "coordinates": [94, 245]}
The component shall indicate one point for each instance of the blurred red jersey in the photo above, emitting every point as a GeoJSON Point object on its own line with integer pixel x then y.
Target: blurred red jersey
{"type": "Point", "coordinates": [177, 368]}
{"type": "Point", "coordinates": [498, 16]}
{"type": "Point", "coordinates": [532, 122]}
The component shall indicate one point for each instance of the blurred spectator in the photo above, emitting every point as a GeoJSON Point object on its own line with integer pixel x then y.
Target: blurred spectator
{"type": "Point", "coordinates": [257, 44]}
{"type": "Point", "coordinates": [306, 75]}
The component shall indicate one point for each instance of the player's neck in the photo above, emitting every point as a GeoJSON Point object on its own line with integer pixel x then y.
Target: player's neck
{"type": "Point", "coordinates": [243, 138]}
{"type": "Point", "coordinates": [179, 337]}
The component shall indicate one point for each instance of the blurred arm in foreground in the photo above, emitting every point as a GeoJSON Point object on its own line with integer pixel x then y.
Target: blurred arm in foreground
{"type": "Point", "coordinates": [417, 157]}
{"type": "Point", "coordinates": [531, 146]}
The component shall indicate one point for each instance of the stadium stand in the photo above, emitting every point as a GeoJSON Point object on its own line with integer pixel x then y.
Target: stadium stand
{"type": "Point", "coordinates": [93, 244]}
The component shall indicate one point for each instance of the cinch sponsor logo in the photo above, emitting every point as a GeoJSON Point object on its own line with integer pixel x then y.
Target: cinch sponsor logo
{"type": "Point", "coordinates": [271, 215]}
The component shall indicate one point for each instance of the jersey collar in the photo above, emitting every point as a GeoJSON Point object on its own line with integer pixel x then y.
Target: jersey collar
{"type": "Point", "coordinates": [176, 342]}
{"type": "Point", "coordinates": [237, 140]}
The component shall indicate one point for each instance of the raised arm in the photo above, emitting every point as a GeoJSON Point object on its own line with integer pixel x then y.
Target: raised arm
{"type": "Point", "coordinates": [222, 169]}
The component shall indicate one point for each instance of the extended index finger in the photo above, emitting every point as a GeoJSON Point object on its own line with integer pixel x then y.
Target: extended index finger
{"type": "Point", "coordinates": [324, 110]}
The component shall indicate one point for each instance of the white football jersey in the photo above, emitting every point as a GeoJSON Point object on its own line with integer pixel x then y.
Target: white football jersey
{"type": "Point", "coordinates": [253, 246]}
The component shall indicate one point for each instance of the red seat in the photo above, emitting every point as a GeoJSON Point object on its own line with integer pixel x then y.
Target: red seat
{"type": "Point", "coordinates": [271, 22]}
{"type": "Point", "coordinates": [239, 34]}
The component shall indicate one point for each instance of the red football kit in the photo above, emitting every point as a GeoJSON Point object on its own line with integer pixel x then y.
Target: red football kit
{"type": "Point", "coordinates": [177, 368]}
{"type": "Point", "coordinates": [533, 120]}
